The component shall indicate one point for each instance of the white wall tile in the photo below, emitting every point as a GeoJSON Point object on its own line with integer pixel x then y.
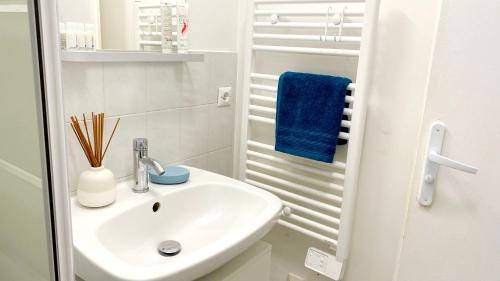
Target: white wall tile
{"type": "Point", "coordinates": [195, 81]}
{"type": "Point", "coordinates": [164, 85]}
{"type": "Point", "coordinates": [200, 162]}
{"type": "Point", "coordinates": [163, 132]}
{"type": "Point", "coordinates": [116, 157]}
{"type": "Point", "coordinates": [82, 86]}
{"type": "Point", "coordinates": [119, 158]}
{"type": "Point", "coordinates": [221, 162]}
{"type": "Point", "coordinates": [222, 74]}
{"type": "Point", "coordinates": [124, 88]}
{"type": "Point", "coordinates": [172, 104]}
{"type": "Point", "coordinates": [194, 131]}
{"type": "Point", "coordinates": [221, 127]}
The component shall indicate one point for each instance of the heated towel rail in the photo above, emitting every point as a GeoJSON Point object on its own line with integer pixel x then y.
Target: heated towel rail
{"type": "Point", "coordinates": [296, 35]}
{"type": "Point", "coordinates": [148, 25]}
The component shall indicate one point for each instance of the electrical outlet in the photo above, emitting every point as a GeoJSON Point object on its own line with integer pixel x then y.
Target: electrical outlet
{"type": "Point", "coordinates": [323, 263]}
{"type": "Point", "coordinates": [224, 98]}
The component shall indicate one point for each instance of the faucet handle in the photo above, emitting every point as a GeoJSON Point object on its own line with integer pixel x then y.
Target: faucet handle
{"type": "Point", "coordinates": [140, 144]}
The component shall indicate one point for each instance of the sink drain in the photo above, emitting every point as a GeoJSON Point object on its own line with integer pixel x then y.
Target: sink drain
{"type": "Point", "coordinates": [169, 248]}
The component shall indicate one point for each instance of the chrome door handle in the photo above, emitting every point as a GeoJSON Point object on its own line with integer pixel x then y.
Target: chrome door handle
{"type": "Point", "coordinates": [433, 161]}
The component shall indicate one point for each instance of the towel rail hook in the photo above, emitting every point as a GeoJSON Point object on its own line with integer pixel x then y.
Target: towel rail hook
{"type": "Point", "coordinates": [336, 19]}
{"type": "Point", "coordinates": [275, 18]}
{"type": "Point", "coordinates": [329, 11]}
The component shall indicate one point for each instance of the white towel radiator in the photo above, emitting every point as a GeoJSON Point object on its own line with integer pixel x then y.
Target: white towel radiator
{"type": "Point", "coordinates": [148, 25]}
{"type": "Point", "coordinates": [317, 36]}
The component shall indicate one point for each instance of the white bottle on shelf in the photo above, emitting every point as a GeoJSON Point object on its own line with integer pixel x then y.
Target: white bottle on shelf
{"type": "Point", "coordinates": [182, 27]}
{"type": "Point", "coordinates": [62, 35]}
{"type": "Point", "coordinates": [166, 9]}
{"type": "Point", "coordinates": [89, 37]}
{"type": "Point", "coordinates": [80, 35]}
{"type": "Point", "coordinates": [71, 34]}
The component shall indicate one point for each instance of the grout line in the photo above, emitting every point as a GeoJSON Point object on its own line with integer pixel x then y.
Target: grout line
{"type": "Point", "coordinates": [205, 153]}
{"type": "Point", "coordinates": [128, 176]}
{"type": "Point", "coordinates": [182, 107]}
{"type": "Point", "coordinates": [154, 111]}
{"type": "Point", "coordinates": [146, 80]}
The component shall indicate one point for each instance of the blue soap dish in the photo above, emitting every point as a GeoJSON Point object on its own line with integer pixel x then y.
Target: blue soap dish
{"type": "Point", "coordinates": [172, 175]}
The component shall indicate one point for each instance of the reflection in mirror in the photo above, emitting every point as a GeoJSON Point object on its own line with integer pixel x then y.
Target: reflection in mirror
{"type": "Point", "coordinates": [124, 25]}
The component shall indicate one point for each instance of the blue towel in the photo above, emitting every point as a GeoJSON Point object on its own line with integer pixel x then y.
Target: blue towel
{"type": "Point", "coordinates": [309, 114]}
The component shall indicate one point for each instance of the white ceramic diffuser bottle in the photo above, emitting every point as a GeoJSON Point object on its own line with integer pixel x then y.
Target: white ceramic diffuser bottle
{"type": "Point", "coordinates": [97, 185]}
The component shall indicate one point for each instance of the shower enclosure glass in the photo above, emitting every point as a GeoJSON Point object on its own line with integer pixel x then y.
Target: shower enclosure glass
{"type": "Point", "coordinates": [25, 229]}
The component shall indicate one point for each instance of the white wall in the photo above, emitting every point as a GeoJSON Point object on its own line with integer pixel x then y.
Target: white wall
{"type": "Point", "coordinates": [172, 104]}
{"type": "Point", "coordinates": [214, 24]}
{"type": "Point", "coordinates": [78, 11]}
{"type": "Point", "coordinates": [116, 23]}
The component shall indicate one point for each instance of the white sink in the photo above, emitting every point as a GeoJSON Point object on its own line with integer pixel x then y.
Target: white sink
{"type": "Point", "coordinates": [215, 218]}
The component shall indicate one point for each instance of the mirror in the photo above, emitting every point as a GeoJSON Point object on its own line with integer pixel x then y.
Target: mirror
{"type": "Point", "coordinates": [125, 25]}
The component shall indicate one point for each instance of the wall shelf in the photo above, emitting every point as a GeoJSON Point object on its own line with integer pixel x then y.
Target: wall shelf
{"type": "Point", "coordinates": [128, 56]}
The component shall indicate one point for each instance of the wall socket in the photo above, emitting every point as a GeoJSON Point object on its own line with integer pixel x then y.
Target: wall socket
{"type": "Point", "coordinates": [224, 98]}
{"type": "Point", "coordinates": [323, 263]}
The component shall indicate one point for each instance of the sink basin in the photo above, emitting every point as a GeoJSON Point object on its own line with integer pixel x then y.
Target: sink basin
{"type": "Point", "coordinates": [213, 217]}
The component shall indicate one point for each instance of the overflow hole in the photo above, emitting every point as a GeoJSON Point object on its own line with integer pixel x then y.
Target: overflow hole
{"type": "Point", "coordinates": [156, 206]}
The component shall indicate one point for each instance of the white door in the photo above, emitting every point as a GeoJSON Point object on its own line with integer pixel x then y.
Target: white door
{"type": "Point", "coordinates": [458, 237]}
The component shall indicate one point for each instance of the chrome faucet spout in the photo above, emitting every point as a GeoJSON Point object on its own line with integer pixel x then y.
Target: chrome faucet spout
{"type": "Point", "coordinates": [153, 164]}
{"type": "Point", "coordinates": [141, 164]}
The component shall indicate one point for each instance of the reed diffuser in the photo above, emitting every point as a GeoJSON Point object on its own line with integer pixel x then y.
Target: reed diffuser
{"type": "Point", "coordinates": [97, 185]}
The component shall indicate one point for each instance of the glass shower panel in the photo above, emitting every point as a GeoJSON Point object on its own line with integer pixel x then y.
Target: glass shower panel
{"type": "Point", "coordinates": [24, 239]}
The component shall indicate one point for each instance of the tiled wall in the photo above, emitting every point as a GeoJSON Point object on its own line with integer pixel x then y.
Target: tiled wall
{"type": "Point", "coordinates": [174, 105]}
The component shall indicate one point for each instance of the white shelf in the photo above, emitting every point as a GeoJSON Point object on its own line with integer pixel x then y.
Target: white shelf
{"type": "Point", "coordinates": [127, 56]}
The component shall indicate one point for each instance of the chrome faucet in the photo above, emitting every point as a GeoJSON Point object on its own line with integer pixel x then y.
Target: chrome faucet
{"type": "Point", "coordinates": [141, 164]}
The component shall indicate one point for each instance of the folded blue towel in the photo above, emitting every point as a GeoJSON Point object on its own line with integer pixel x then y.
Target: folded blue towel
{"type": "Point", "coordinates": [309, 114]}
